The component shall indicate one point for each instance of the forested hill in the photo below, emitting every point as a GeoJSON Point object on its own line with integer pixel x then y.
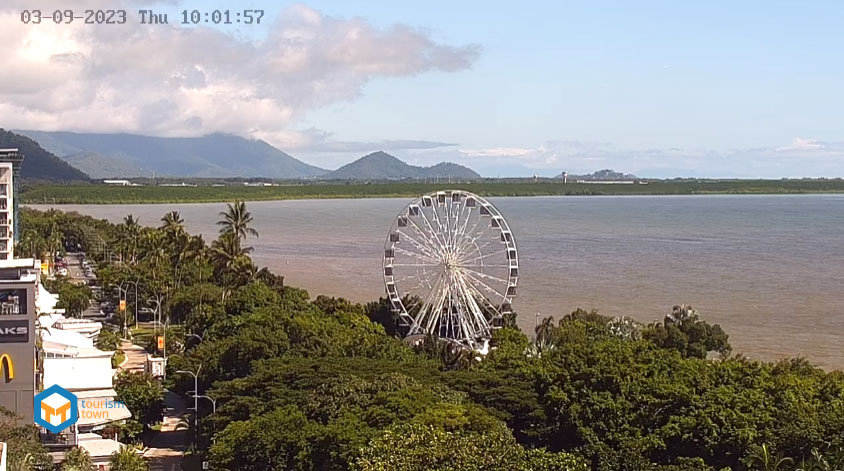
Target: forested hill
{"type": "Point", "coordinates": [38, 164]}
{"type": "Point", "coordinates": [383, 166]}
{"type": "Point", "coordinates": [212, 156]}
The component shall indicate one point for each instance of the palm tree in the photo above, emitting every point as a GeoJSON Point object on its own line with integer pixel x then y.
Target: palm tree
{"type": "Point", "coordinates": [236, 220]}
{"type": "Point", "coordinates": [127, 459]}
{"type": "Point", "coordinates": [172, 223]}
{"type": "Point", "coordinates": [545, 331]}
{"type": "Point", "coordinates": [185, 248]}
{"type": "Point", "coordinates": [130, 233]}
{"type": "Point", "coordinates": [229, 258]}
{"type": "Point", "coordinates": [32, 244]}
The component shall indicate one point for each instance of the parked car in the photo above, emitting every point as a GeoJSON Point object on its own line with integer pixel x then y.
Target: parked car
{"type": "Point", "coordinates": [62, 271]}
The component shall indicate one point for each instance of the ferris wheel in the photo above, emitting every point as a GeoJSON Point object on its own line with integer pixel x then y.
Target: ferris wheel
{"type": "Point", "coordinates": [451, 267]}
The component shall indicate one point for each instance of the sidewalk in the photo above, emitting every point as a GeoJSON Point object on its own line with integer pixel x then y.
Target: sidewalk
{"type": "Point", "coordinates": [166, 450]}
{"type": "Point", "coordinates": [136, 356]}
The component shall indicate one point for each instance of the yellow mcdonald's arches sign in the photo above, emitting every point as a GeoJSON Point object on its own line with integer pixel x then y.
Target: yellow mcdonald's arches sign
{"type": "Point", "coordinates": [8, 365]}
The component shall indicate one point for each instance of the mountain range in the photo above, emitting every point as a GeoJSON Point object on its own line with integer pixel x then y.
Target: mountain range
{"type": "Point", "coordinates": [39, 164]}
{"type": "Point", "coordinates": [211, 156]}
{"type": "Point", "coordinates": [216, 156]}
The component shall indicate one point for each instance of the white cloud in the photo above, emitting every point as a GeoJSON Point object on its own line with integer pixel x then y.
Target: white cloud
{"type": "Point", "coordinates": [803, 157]}
{"type": "Point", "coordinates": [799, 143]}
{"type": "Point", "coordinates": [173, 81]}
{"type": "Point", "coordinates": [498, 152]}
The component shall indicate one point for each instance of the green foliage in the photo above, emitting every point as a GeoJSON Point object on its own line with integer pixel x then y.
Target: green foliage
{"type": "Point", "coordinates": [186, 302]}
{"type": "Point", "coordinates": [77, 459]}
{"type": "Point", "coordinates": [325, 385]}
{"type": "Point", "coordinates": [127, 459]}
{"type": "Point", "coordinates": [684, 331]}
{"type": "Point", "coordinates": [99, 194]}
{"type": "Point", "coordinates": [142, 394]}
{"type": "Point", "coordinates": [75, 298]}
{"type": "Point", "coordinates": [417, 447]}
{"type": "Point", "coordinates": [24, 451]}
{"type": "Point", "coordinates": [108, 340]}
{"type": "Point", "coordinates": [252, 297]}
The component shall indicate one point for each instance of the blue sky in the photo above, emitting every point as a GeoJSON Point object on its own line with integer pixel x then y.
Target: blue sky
{"type": "Point", "coordinates": [657, 88]}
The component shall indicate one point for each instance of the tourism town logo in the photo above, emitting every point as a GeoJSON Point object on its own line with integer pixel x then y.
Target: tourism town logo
{"type": "Point", "coordinates": [58, 408]}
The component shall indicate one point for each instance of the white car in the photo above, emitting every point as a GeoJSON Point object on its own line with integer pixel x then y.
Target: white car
{"type": "Point", "coordinates": [61, 272]}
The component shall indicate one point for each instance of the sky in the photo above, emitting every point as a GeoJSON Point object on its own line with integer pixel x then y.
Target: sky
{"type": "Point", "coordinates": [654, 88]}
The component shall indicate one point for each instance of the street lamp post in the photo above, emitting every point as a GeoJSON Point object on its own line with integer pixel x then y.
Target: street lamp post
{"type": "Point", "coordinates": [156, 323]}
{"type": "Point", "coordinates": [136, 298]}
{"type": "Point", "coordinates": [213, 402]}
{"type": "Point", "coordinates": [122, 294]}
{"type": "Point", "coordinates": [195, 393]}
{"type": "Point", "coordinates": [213, 412]}
{"type": "Point", "coordinates": [194, 335]}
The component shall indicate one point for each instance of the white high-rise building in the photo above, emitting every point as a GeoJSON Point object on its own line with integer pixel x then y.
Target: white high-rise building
{"type": "Point", "coordinates": [7, 211]}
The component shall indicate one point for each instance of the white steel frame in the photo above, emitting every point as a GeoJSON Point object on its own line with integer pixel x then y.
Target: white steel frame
{"type": "Point", "coordinates": [450, 255]}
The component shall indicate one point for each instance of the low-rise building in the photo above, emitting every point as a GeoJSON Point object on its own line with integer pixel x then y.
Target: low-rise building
{"type": "Point", "coordinates": [70, 359]}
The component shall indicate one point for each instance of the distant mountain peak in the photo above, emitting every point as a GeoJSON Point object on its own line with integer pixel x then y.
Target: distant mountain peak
{"type": "Point", "coordinates": [383, 166]}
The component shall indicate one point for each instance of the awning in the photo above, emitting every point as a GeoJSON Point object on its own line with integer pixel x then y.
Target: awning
{"type": "Point", "coordinates": [99, 447]}
{"type": "Point", "coordinates": [46, 301]}
{"type": "Point", "coordinates": [98, 407]}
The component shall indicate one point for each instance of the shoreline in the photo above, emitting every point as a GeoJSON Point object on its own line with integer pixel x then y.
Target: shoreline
{"type": "Point", "coordinates": [102, 194]}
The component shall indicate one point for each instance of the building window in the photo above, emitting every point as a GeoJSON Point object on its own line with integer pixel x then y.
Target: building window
{"type": "Point", "coordinates": [13, 302]}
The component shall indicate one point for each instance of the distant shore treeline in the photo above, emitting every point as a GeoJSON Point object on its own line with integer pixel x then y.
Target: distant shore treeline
{"type": "Point", "coordinates": [206, 193]}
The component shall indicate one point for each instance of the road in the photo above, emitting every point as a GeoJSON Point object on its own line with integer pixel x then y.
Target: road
{"type": "Point", "coordinates": [76, 272]}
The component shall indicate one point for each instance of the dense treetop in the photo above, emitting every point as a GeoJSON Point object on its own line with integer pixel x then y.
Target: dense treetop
{"type": "Point", "coordinates": [326, 384]}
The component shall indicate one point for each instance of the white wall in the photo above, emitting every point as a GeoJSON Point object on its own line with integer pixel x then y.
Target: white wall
{"type": "Point", "coordinates": [78, 373]}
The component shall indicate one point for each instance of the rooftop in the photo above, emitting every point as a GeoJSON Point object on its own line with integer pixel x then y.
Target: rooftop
{"type": "Point", "coordinates": [18, 263]}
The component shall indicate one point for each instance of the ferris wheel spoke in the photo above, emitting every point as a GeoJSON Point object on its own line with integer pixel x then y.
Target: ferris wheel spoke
{"type": "Point", "coordinates": [478, 320]}
{"type": "Point", "coordinates": [433, 243]}
{"type": "Point", "coordinates": [484, 266]}
{"type": "Point", "coordinates": [423, 245]}
{"type": "Point", "coordinates": [485, 286]}
{"type": "Point", "coordinates": [482, 257]}
{"type": "Point", "coordinates": [435, 215]}
{"type": "Point", "coordinates": [425, 310]}
{"type": "Point", "coordinates": [467, 236]}
{"type": "Point", "coordinates": [437, 308]}
{"type": "Point", "coordinates": [423, 255]}
{"type": "Point", "coordinates": [415, 255]}
{"type": "Point", "coordinates": [484, 299]}
{"type": "Point", "coordinates": [433, 232]}
{"type": "Point", "coordinates": [487, 276]}
{"type": "Point", "coordinates": [461, 233]}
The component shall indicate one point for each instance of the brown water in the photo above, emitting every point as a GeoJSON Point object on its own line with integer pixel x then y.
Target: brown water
{"type": "Point", "coordinates": [769, 269]}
